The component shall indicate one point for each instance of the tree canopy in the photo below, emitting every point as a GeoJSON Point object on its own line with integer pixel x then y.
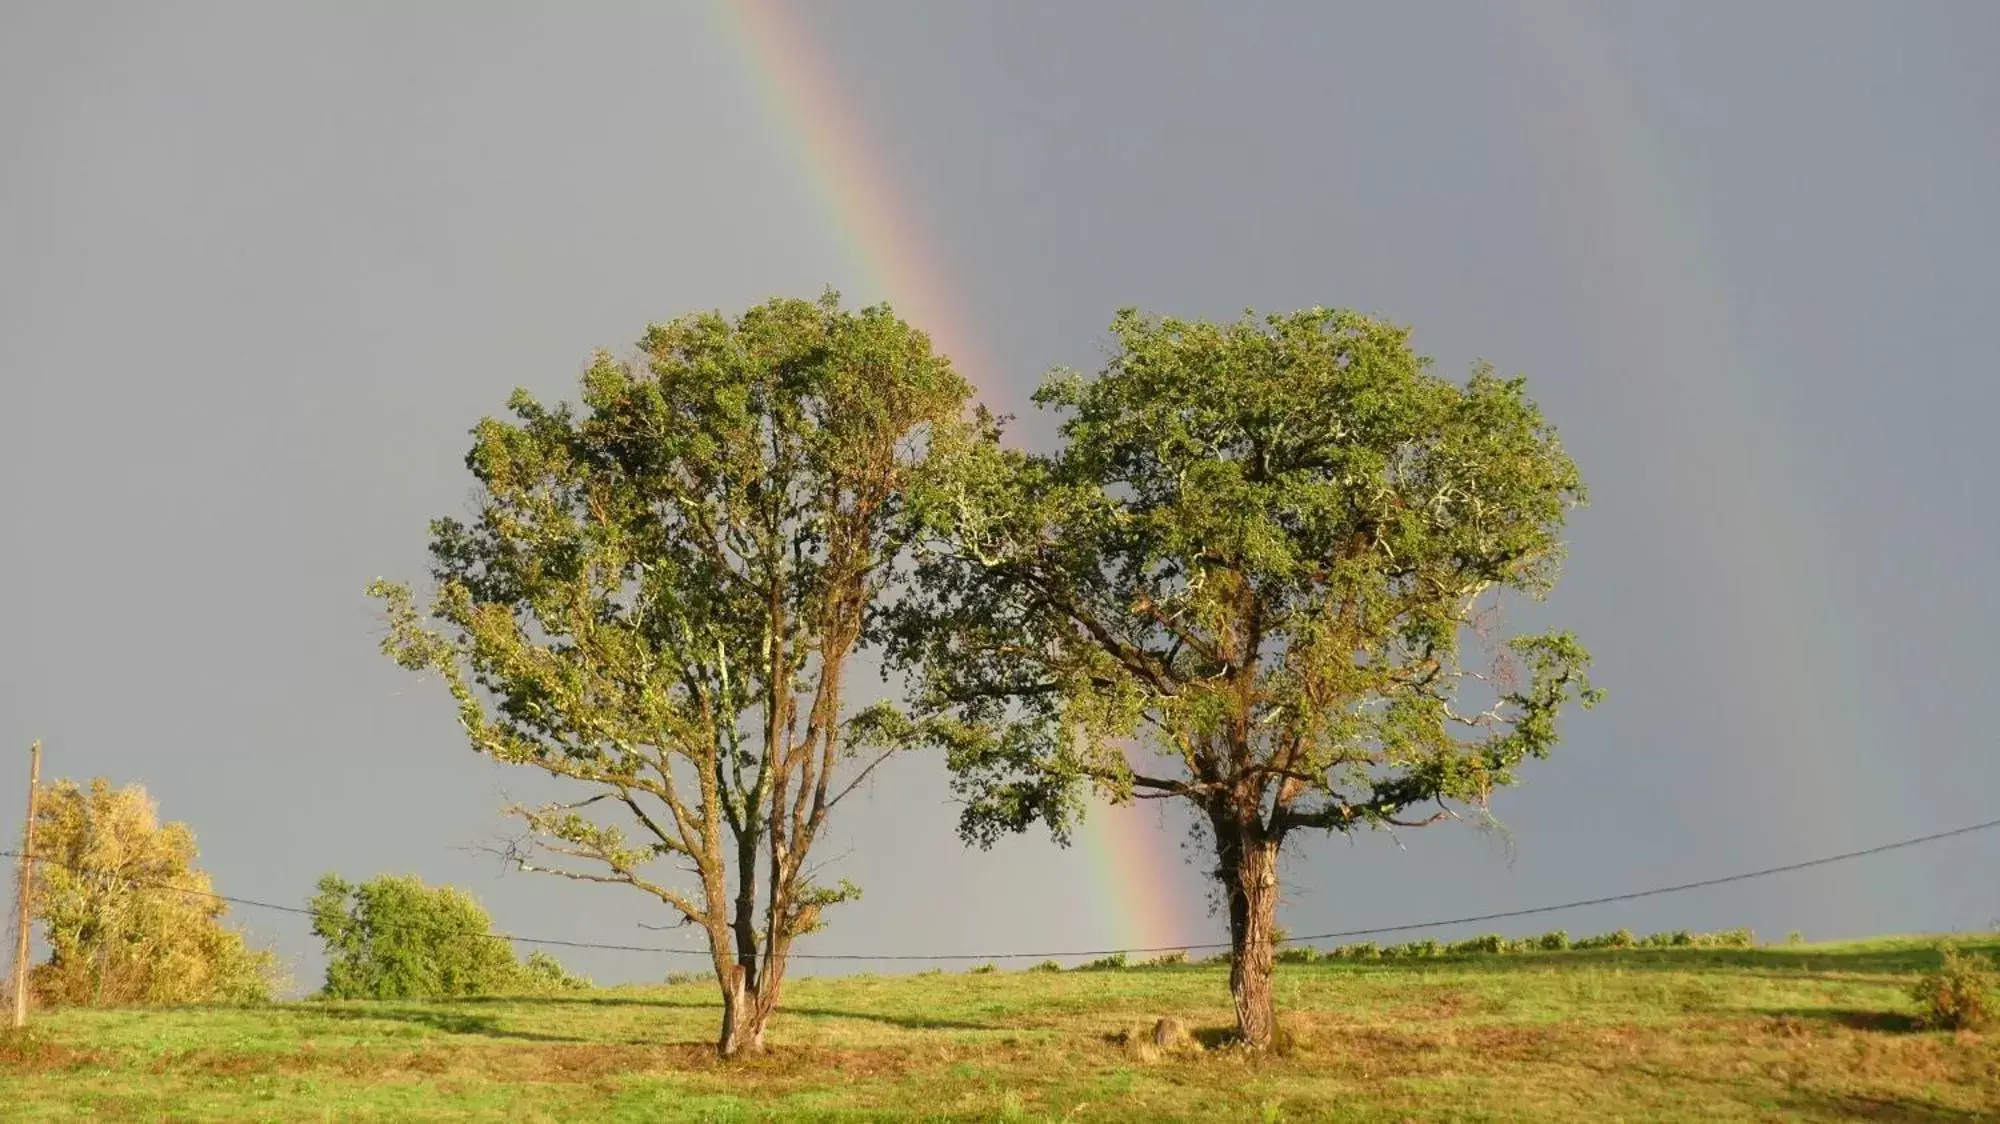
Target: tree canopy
{"type": "Point", "coordinates": [659, 598]}
{"type": "Point", "coordinates": [1254, 577]}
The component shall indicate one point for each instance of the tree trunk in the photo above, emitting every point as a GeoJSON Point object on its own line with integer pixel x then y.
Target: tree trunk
{"type": "Point", "coordinates": [771, 983]}
{"type": "Point", "coordinates": [1249, 873]}
{"type": "Point", "coordinates": [742, 1018]}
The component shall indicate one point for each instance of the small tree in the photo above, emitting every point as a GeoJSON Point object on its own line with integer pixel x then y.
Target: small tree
{"type": "Point", "coordinates": [1961, 993]}
{"type": "Point", "coordinates": [659, 599]}
{"type": "Point", "coordinates": [128, 917]}
{"type": "Point", "coordinates": [543, 972]}
{"type": "Point", "coordinates": [396, 938]}
{"type": "Point", "coordinates": [1253, 562]}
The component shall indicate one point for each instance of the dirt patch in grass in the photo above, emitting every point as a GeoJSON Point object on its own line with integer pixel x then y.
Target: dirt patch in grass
{"type": "Point", "coordinates": [563, 1063]}
{"type": "Point", "coordinates": [26, 1052]}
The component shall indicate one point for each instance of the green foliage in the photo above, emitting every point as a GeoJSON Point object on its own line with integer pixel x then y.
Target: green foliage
{"type": "Point", "coordinates": [1496, 944]}
{"type": "Point", "coordinates": [544, 973]}
{"type": "Point", "coordinates": [1304, 479]}
{"type": "Point", "coordinates": [127, 917]}
{"type": "Point", "coordinates": [1174, 959]}
{"type": "Point", "coordinates": [1046, 966]}
{"type": "Point", "coordinates": [395, 938]}
{"type": "Point", "coordinates": [659, 599]}
{"type": "Point", "coordinates": [1962, 993]}
{"type": "Point", "coordinates": [1255, 564]}
{"type": "Point", "coordinates": [1112, 963]}
{"type": "Point", "coordinates": [983, 970]}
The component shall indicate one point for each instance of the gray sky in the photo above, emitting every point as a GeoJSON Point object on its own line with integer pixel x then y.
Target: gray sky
{"type": "Point", "coordinates": [262, 266]}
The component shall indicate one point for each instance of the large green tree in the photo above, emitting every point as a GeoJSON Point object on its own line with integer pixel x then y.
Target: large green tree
{"type": "Point", "coordinates": [660, 598]}
{"type": "Point", "coordinates": [1249, 579]}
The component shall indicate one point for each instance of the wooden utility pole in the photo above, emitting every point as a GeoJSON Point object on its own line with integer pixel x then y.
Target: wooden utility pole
{"type": "Point", "coordinates": [22, 916]}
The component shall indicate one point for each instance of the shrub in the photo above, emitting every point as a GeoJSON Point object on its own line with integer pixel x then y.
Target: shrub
{"type": "Point", "coordinates": [1617, 938]}
{"type": "Point", "coordinates": [1046, 966]}
{"type": "Point", "coordinates": [396, 938]}
{"type": "Point", "coordinates": [1727, 938]}
{"type": "Point", "coordinates": [1958, 994]}
{"type": "Point", "coordinates": [984, 970]}
{"type": "Point", "coordinates": [1360, 950]}
{"type": "Point", "coordinates": [1486, 944]}
{"type": "Point", "coordinates": [1298, 954]}
{"type": "Point", "coordinates": [676, 979]}
{"type": "Point", "coordinates": [542, 972]}
{"type": "Point", "coordinates": [1554, 941]}
{"type": "Point", "coordinates": [1413, 950]}
{"type": "Point", "coordinates": [1167, 960]}
{"type": "Point", "coordinates": [1112, 963]}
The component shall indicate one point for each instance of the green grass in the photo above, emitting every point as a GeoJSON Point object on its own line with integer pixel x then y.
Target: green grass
{"type": "Point", "coordinates": [1814, 1032]}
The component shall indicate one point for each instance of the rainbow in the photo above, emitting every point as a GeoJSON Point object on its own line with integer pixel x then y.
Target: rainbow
{"type": "Point", "coordinates": [1632, 242]}
{"type": "Point", "coordinates": [851, 183]}
{"type": "Point", "coordinates": [1142, 894]}
{"type": "Point", "coordinates": [1128, 854]}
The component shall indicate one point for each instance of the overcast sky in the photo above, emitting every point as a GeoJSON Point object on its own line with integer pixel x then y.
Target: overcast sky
{"type": "Point", "coordinates": [262, 266]}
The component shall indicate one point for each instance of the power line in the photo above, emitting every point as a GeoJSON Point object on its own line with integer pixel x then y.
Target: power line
{"type": "Point", "coordinates": [1438, 923]}
{"type": "Point", "coordinates": [279, 907]}
{"type": "Point", "coordinates": [1658, 890]}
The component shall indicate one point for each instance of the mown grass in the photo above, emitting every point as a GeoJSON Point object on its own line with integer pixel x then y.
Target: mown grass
{"type": "Point", "coordinates": [1822, 1032]}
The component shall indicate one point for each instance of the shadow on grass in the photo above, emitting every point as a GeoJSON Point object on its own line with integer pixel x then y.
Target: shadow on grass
{"type": "Point", "coordinates": [447, 1022]}
{"type": "Point", "coordinates": [907, 1022]}
{"type": "Point", "coordinates": [1876, 1022]}
{"type": "Point", "coordinates": [590, 999]}
{"type": "Point", "coordinates": [1896, 1110]}
{"type": "Point", "coordinates": [1816, 1104]}
{"type": "Point", "coordinates": [1216, 1037]}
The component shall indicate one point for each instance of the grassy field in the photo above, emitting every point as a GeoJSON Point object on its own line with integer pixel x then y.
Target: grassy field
{"type": "Point", "coordinates": [1816, 1032]}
